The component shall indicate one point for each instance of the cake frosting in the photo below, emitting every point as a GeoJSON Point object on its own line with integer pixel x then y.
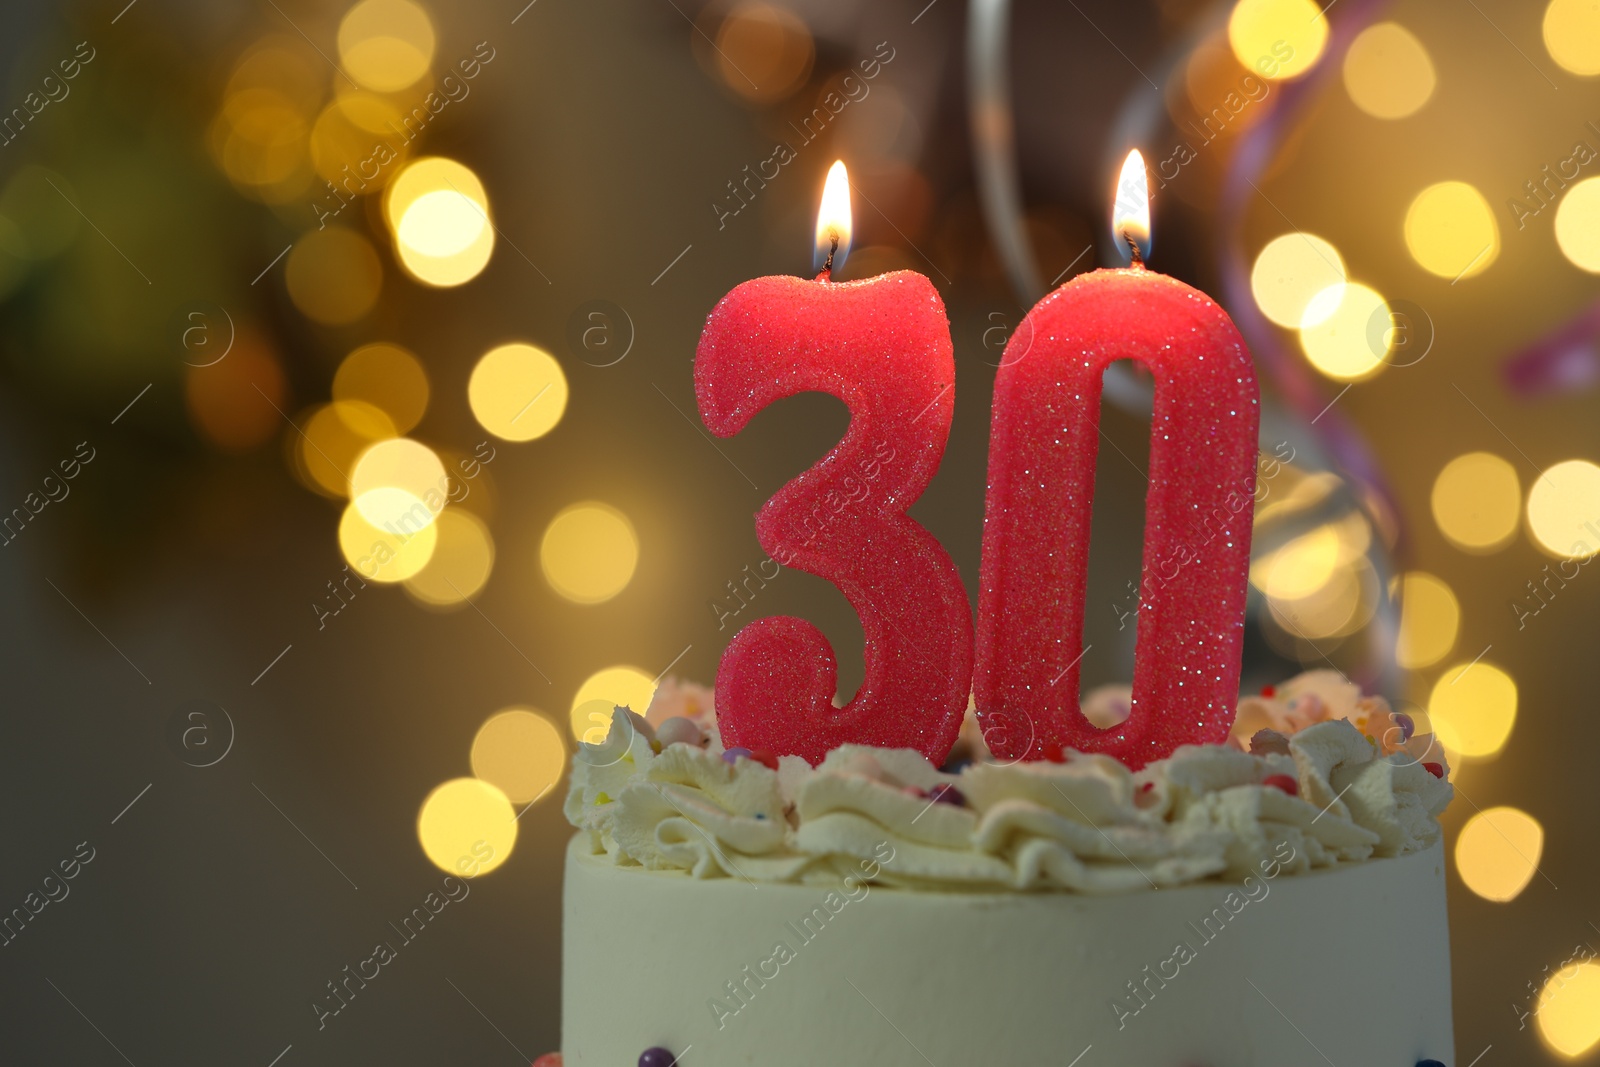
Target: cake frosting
{"type": "Point", "coordinates": [1317, 772]}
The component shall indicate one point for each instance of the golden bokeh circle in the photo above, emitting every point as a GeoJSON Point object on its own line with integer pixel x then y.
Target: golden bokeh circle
{"type": "Point", "coordinates": [1572, 35]}
{"type": "Point", "coordinates": [589, 552]}
{"type": "Point", "coordinates": [467, 827]}
{"type": "Point", "coordinates": [1498, 851]}
{"type": "Point", "coordinates": [398, 463]}
{"type": "Point", "coordinates": [1337, 335]}
{"type": "Point", "coordinates": [1564, 509]}
{"type": "Point", "coordinates": [462, 560]}
{"type": "Point", "coordinates": [333, 275]}
{"type": "Point", "coordinates": [1277, 38]}
{"type": "Point", "coordinates": [517, 392]}
{"type": "Point", "coordinates": [520, 752]}
{"type": "Point", "coordinates": [392, 553]}
{"type": "Point", "coordinates": [1578, 225]}
{"type": "Point", "coordinates": [1388, 72]}
{"type": "Point", "coordinates": [386, 45]}
{"type": "Point", "coordinates": [1289, 271]}
{"type": "Point", "coordinates": [1451, 231]}
{"type": "Point", "coordinates": [1567, 1012]}
{"type": "Point", "coordinates": [1473, 708]}
{"type": "Point", "coordinates": [389, 378]}
{"type": "Point", "coordinates": [1430, 616]}
{"type": "Point", "coordinates": [1477, 501]}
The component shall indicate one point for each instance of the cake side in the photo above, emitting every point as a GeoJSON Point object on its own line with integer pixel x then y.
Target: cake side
{"type": "Point", "coordinates": [1348, 965]}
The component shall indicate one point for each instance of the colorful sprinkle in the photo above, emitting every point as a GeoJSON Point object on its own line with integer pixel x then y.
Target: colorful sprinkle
{"type": "Point", "coordinates": [602, 798]}
{"type": "Point", "coordinates": [1435, 769]}
{"type": "Point", "coordinates": [1406, 724]}
{"type": "Point", "coordinates": [734, 753]}
{"type": "Point", "coordinates": [549, 1059]}
{"type": "Point", "coordinates": [1269, 691]}
{"type": "Point", "coordinates": [947, 794]}
{"type": "Point", "coordinates": [656, 1057]}
{"type": "Point", "coordinates": [1283, 782]}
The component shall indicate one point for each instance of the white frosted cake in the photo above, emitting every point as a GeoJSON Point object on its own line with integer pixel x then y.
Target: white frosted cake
{"type": "Point", "coordinates": [1274, 902]}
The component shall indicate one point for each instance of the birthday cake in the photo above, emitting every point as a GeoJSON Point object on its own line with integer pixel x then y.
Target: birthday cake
{"type": "Point", "coordinates": [1164, 876]}
{"type": "Point", "coordinates": [1277, 900]}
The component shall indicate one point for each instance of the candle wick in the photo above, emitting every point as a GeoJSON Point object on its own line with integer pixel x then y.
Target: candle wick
{"type": "Point", "coordinates": [1133, 249]}
{"type": "Point", "coordinates": [833, 247]}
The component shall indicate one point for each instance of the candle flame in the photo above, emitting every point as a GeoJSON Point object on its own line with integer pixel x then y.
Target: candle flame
{"type": "Point", "coordinates": [1130, 218]}
{"type": "Point", "coordinates": [833, 220]}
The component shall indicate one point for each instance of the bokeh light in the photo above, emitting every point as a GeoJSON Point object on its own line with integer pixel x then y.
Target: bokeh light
{"type": "Point", "coordinates": [1387, 71]}
{"type": "Point", "coordinates": [236, 403]}
{"type": "Point", "coordinates": [1292, 269]}
{"type": "Point", "coordinates": [389, 378]}
{"type": "Point", "coordinates": [1572, 35]}
{"type": "Point", "coordinates": [1477, 501]}
{"type": "Point", "coordinates": [438, 211]}
{"type": "Point", "coordinates": [346, 135]}
{"type": "Point", "coordinates": [1564, 509]}
{"type": "Point", "coordinates": [1567, 1012]}
{"type": "Point", "coordinates": [1473, 707]}
{"type": "Point", "coordinates": [382, 554]}
{"type": "Point", "coordinates": [603, 690]}
{"type": "Point", "coordinates": [333, 275]}
{"type": "Point", "coordinates": [333, 437]}
{"type": "Point", "coordinates": [1578, 225]}
{"type": "Point", "coordinates": [386, 45]}
{"type": "Point", "coordinates": [519, 752]}
{"type": "Point", "coordinates": [1277, 38]}
{"type": "Point", "coordinates": [260, 132]}
{"type": "Point", "coordinates": [1451, 231]}
{"type": "Point", "coordinates": [398, 463]}
{"type": "Point", "coordinates": [1345, 332]}
{"type": "Point", "coordinates": [467, 827]}
{"type": "Point", "coordinates": [589, 552]}
{"type": "Point", "coordinates": [763, 51]}
{"type": "Point", "coordinates": [1430, 616]}
{"type": "Point", "coordinates": [1340, 606]}
{"type": "Point", "coordinates": [517, 392]}
{"type": "Point", "coordinates": [1300, 567]}
{"type": "Point", "coordinates": [462, 559]}
{"type": "Point", "coordinates": [1498, 851]}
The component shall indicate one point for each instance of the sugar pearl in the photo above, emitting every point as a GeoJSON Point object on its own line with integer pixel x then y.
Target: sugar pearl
{"type": "Point", "coordinates": [732, 755]}
{"type": "Point", "coordinates": [656, 1057]}
{"type": "Point", "coordinates": [680, 731]}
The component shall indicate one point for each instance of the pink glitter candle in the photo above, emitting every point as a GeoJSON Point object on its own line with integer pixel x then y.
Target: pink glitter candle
{"type": "Point", "coordinates": [883, 347]}
{"type": "Point", "coordinates": [1198, 511]}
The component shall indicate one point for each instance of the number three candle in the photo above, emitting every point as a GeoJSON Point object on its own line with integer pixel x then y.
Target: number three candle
{"type": "Point", "coordinates": [1042, 448]}
{"type": "Point", "coordinates": [883, 347]}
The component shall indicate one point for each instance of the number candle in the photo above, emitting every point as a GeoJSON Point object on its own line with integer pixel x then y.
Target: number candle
{"type": "Point", "coordinates": [883, 347]}
{"type": "Point", "coordinates": [1198, 509]}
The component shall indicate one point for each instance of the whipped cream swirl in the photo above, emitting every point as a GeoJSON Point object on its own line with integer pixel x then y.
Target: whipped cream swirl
{"type": "Point", "coordinates": [1087, 825]}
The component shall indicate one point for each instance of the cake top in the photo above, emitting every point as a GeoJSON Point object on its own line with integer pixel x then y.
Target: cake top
{"type": "Point", "coordinates": [1316, 774]}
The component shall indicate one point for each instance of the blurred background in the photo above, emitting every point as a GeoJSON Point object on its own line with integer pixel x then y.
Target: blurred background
{"type": "Point", "coordinates": [349, 456]}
